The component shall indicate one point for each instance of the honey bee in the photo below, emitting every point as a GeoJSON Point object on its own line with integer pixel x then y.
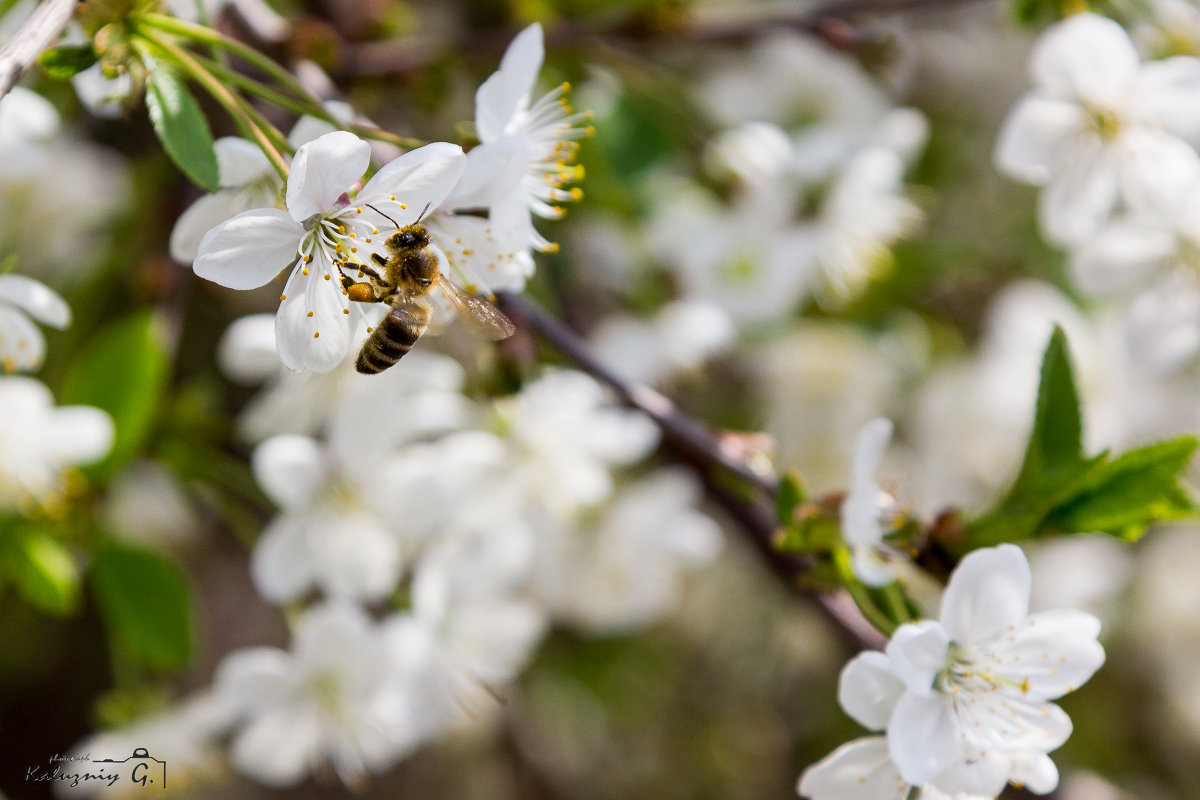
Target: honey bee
{"type": "Point", "coordinates": [403, 281]}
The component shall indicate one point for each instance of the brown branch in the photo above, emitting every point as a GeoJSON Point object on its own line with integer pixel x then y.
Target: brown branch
{"type": "Point", "coordinates": [38, 32]}
{"type": "Point", "coordinates": [833, 23]}
{"type": "Point", "coordinates": [704, 451]}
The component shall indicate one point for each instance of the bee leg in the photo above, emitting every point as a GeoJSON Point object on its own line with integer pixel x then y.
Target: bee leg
{"type": "Point", "coordinates": [358, 291]}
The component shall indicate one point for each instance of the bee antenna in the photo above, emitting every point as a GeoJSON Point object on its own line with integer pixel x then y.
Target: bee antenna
{"type": "Point", "coordinates": [424, 211]}
{"type": "Point", "coordinates": [377, 211]}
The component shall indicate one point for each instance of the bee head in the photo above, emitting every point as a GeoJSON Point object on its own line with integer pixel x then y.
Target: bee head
{"type": "Point", "coordinates": [409, 237]}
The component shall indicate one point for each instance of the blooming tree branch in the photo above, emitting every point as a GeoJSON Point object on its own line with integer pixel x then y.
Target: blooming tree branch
{"type": "Point", "coordinates": [35, 36]}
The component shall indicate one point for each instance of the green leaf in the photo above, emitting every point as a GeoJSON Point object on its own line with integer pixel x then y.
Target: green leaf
{"type": "Point", "coordinates": [143, 599]}
{"type": "Point", "coordinates": [1126, 495]}
{"type": "Point", "coordinates": [123, 371]}
{"type": "Point", "coordinates": [791, 494]}
{"type": "Point", "coordinates": [182, 128]}
{"type": "Point", "coordinates": [1060, 491]}
{"type": "Point", "coordinates": [63, 63]}
{"type": "Point", "coordinates": [41, 568]}
{"type": "Point", "coordinates": [1056, 442]}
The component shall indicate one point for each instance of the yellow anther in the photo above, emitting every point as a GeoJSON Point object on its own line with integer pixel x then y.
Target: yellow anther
{"type": "Point", "coordinates": [369, 329]}
{"type": "Point", "coordinates": [375, 230]}
{"type": "Point", "coordinates": [341, 228]}
{"type": "Point", "coordinates": [282, 297]}
{"type": "Point", "coordinates": [353, 235]}
{"type": "Point", "coordinates": [310, 314]}
{"type": "Point", "coordinates": [367, 240]}
{"type": "Point", "coordinates": [345, 311]}
{"type": "Point", "coordinates": [403, 206]}
{"type": "Point", "coordinates": [308, 259]}
{"type": "Point", "coordinates": [577, 193]}
{"type": "Point", "coordinates": [316, 334]}
{"type": "Point", "coordinates": [393, 198]}
{"type": "Point", "coordinates": [326, 276]}
{"type": "Point", "coordinates": [358, 211]}
{"type": "Point", "coordinates": [304, 271]}
{"type": "Point", "coordinates": [353, 249]}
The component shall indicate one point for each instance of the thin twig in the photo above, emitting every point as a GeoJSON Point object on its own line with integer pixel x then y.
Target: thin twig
{"type": "Point", "coordinates": [38, 32]}
{"type": "Point", "coordinates": [704, 450]}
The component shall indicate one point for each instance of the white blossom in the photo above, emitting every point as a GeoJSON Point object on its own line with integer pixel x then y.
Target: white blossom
{"type": "Point", "coordinates": [1100, 130]}
{"type": "Point", "coordinates": [626, 570]}
{"type": "Point", "coordinates": [323, 226]}
{"type": "Point", "coordinates": [334, 697]}
{"type": "Point", "coordinates": [21, 344]}
{"type": "Point", "coordinates": [564, 436]}
{"type": "Point", "coordinates": [868, 512]}
{"type": "Point", "coordinates": [679, 338]}
{"type": "Point", "coordinates": [40, 443]}
{"type": "Point", "coordinates": [339, 530]}
{"type": "Point", "coordinates": [963, 700]}
{"type": "Point", "coordinates": [27, 121]}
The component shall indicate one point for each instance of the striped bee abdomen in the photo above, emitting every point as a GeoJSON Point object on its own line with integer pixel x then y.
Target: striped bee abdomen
{"type": "Point", "coordinates": [395, 335]}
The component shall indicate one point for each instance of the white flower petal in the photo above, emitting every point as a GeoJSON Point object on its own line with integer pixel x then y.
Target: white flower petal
{"type": "Point", "coordinates": [319, 342]}
{"type": "Point", "coordinates": [858, 770]}
{"type": "Point", "coordinates": [419, 178]}
{"type": "Point", "coordinates": [239, 161]}
{"type": "Point", "coordinates": [987, 593]}
{"type": "Point", "coordinates": [282, 563]}
{"type": "Point", "coordinates": [1124, 253]}
{"type": "Point", "coordinates": [1168, 92]}
{"type": "Point", "coordinates": [1052, 653]}
{"type": "Point", "coordinates": [323, 170]}
{"type": "Point", "coordinates": [202, 216]}
{"type": "Point", "coordinates": [869, 446]}
{"type": "Point", "coordinates": [1085, 57]}
{"type": "Point", "coordinates": [924, 738]}
{"type": "Point", "coordinates": [278, 748]}
{"type": "Point", "coordinates": [917, 652]}
{"type": "Point", "coordinates": [1035, 771]}
{"type": "Point", "coordinates": [22, 346]}
{"type": "Point", "coordinates": [506, 93]}
{"type": "Point", "coordinates": [246, 351]}
{"type": "Point", "coordinates": [868, 689]}
{"type": "Point", "coordinates": [872, 567]}
{"type": "Point", "coordinates": [80, 435]}
{"type": "Point", "coordinates": [290, 469]}
{"type": "Point", "coordinates": [356, 558]}
{"type": "Point", "coordinates": [1079, 199]}
{"type": "Point", "coordinates": [249, 250]}
{"type": "Point", "coordinates": [35, 299]}
{"type": "Point", "coordinates": [25, 117]}
{"type": "Point", "coordinates": [1034, 135]}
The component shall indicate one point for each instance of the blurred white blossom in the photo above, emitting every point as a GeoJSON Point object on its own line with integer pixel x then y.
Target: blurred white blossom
{"type": "Point", "coordinates": [680, 337]}
{"type": "Point", "coordinates": [40, 443]}
{"type": "Point", "coordinates": [1100, 130]}
{"type": "Point", "coordinates": [333, 698]}
{"type": "Point", "coordinates": [869, 512]}
{"type": "Point", "coordinates": [21, 344]}
{"type": "Point", "coordinates": [626, 570]}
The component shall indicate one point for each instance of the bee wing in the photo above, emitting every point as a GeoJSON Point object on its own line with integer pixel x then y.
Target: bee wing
{"type": "Point", "coordinates": [484, 317]}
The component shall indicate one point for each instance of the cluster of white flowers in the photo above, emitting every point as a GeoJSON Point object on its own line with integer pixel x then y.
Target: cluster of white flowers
{"type": "Point", "coordinates": [1112, 139]}
{"type": "Point", "coordinates": [817, 155]}
{"type": "Point", "coordinates": [482, 511]}
{"type": "Point", "coordinates": [963, 702]}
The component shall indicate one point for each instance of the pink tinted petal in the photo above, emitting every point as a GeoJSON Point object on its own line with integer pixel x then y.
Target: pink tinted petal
{"type": "Point", "coordinates": [505, 94]}
{"type": "Point", "coordinates": [988, 593]}
{"type": "Point", "coordinates": [868, 690]}
{"type": "Point", "coordinates": [249, 250]}
{"type": "Point", "coordinates": [1085, 57]}
{"type": "Point", "coordinates": [1034, 135]}
{"type": "Point", "coordinates": [323, 170]}
{"type": "Point", "coordinates": [923, 736]}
